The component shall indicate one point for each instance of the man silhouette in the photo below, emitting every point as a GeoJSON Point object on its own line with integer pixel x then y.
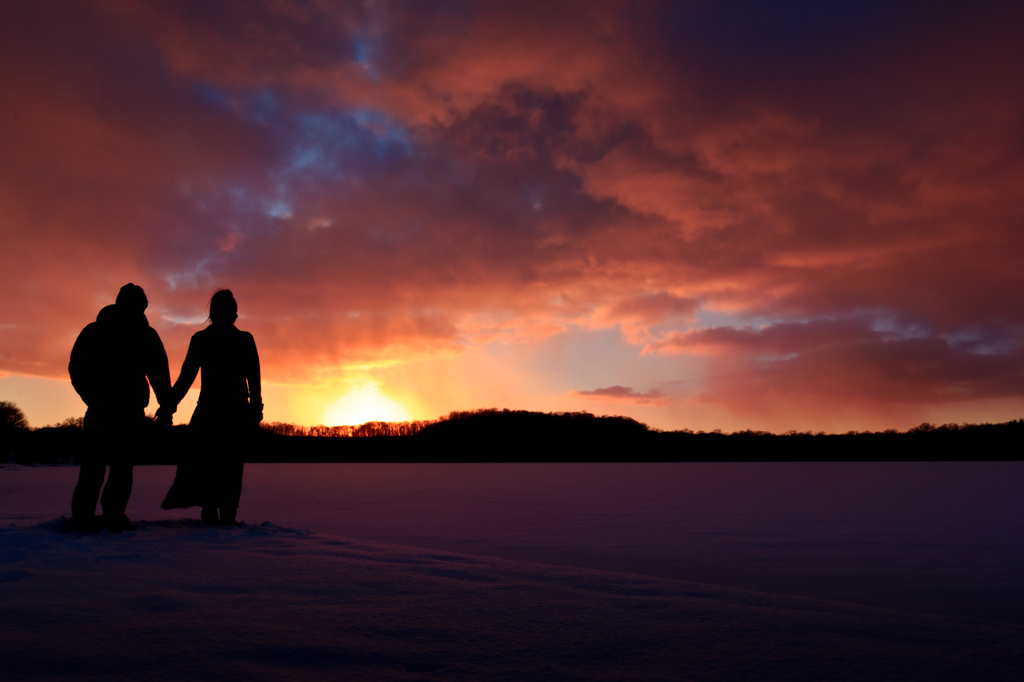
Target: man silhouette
{"type": "Point", "coordinates": [110, 362]}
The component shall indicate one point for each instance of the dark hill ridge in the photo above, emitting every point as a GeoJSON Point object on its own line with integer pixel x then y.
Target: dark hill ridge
{"type": "Point", "coordinates": [522, 436]}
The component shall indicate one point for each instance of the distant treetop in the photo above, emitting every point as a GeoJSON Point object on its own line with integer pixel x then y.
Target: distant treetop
{"type": "Point", "coordinates": [12, 418]}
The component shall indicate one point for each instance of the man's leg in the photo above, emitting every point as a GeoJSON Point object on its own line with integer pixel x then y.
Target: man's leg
{"type": "Point", "coordinates": [87, 492]}
{"type": "Point", "coordinates": [90, 473]}
{"type": "Point", "coordinates": [117, 490]}
{"type": "Point", "coordinates": [125, 439]}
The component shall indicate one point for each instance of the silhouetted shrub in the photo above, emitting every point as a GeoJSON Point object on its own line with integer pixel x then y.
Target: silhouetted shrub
{"type": "Point", "coordinates": [69, 423]}
{"type": "Point", "coordinates": [13, 430]}
{"type": "Point", "coordinates": [321, 431]}
{"type": "Point", "coordinates": [284, 429]}
{"type": "Point", "coordinates": [11, 418]}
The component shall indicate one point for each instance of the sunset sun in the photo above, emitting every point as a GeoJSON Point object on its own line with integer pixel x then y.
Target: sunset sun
{"type": "Point", "coordinates": [364, 404]}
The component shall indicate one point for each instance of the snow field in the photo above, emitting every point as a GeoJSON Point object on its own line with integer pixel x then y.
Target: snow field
{"type": "Point", "coordinates": [178, 600]}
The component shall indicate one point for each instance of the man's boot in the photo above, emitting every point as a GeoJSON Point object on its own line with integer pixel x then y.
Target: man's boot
{"type": "Point", "coordinates": [227, 518]}
{"type": "Point", "coordinates": [88, 524]}
{"type": "Point", "coordinates": [209, 516]}
{"type": "Point", "coordinates": [117, 523]}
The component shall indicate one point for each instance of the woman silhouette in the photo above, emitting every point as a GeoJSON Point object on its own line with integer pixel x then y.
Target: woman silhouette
{"type": "Point", "coordinates": [229, 410]}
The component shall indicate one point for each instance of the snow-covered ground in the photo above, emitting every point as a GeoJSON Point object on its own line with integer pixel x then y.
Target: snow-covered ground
{"type": "Point", "coordinates": [561, 572]}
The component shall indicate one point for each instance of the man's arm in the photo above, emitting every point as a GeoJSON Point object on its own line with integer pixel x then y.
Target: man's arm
{"type": "Point", "coordinates": [81, 365]}
{"type": "Point", "coordinates": [158, 372]}
{"type": "Point", "coordinates": [160, 379]}
{"type": "Point", "coordinates": [252, 376]}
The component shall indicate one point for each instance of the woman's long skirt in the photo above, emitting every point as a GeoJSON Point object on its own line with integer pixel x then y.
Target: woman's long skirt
{"type": "Point", "coordinates": [210, 474]}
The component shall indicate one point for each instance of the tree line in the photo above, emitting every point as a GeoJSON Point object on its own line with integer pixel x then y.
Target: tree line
{"type": "Point", "coordinates": [520, 435]}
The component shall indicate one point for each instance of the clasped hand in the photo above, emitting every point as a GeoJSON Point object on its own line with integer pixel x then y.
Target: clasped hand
{"type": "Point", "coordinates": [165, 415]}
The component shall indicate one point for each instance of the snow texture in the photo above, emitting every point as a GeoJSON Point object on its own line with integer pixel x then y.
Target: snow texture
{"type": "Point", "coordinates": [178, 600]}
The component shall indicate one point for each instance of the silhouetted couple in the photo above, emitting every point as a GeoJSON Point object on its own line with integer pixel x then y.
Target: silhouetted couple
{"type": "Point", "coordinates": [110, 364]}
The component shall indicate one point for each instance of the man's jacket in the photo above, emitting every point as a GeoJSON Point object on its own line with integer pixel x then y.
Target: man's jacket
{"type": "Point", "coordinates": [112, 359]}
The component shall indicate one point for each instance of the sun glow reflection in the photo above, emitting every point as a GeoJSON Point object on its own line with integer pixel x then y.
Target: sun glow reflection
{"type": "Point", "coordinates": [364, 404]}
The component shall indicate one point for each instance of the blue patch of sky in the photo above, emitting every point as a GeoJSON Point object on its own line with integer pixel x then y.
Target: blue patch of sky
{"type": "Point", "coordinates": [879, 321]}
{"type": "Point", "coordinates": [279, 209]}
{"type": "Point", "coordinates": [706, 318]}
{"type": "Point", "coordinates": [263, 107]}
{"type": "Point", "coordinates": [328, 145]}
{"type": "Point", "coordinates": [191, 277]}
{"type": "Point", "coordinates": [235, 201]}
{"type": "Point", "coordinates": [211, 97]}
{"type": "Point", "coordinates": [247, 201]}
{"type": "Point", "coordinates": [339, 144]}
{"type": "Point", "coordinates": [240, 194]}
{"type": "Point", "coordinates": [363, 51]}
{"type": "Point", "coordinates": [999, 341]}
{"type": "Point", "coordinates": [888, 324]}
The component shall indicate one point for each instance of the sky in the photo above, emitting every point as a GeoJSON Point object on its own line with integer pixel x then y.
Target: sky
{"type": "Point", "coordinates": [792, 215]}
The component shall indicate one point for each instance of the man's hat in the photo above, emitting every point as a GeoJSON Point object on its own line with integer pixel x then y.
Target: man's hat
{"type": "Point", "coordinates": [132, 297]}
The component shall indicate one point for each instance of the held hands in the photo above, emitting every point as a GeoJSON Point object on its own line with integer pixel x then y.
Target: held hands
{"type": "Point", "coordinates": [257, 413]}
{"type": "Point", "coordinates": [165, 415]}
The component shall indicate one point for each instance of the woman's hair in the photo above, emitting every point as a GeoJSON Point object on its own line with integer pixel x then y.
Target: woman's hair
{"type": "Point", "coordinates": [223, 307]}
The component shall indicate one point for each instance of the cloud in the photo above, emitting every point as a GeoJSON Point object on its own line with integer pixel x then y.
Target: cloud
{"type": "Point", "coordinates": [776, 340]}
{"type": "Point", "coordinates": [830, 366]}
{"type": "Point", "coordinates": [762, 186]}
{"type": "Point", "coordinates": [638, 313]}
{"type": "Point", "coordinates": [623, 394]}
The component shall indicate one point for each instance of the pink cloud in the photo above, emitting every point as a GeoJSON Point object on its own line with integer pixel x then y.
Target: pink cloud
{"type": "Point", "coordinates": [638, 313]}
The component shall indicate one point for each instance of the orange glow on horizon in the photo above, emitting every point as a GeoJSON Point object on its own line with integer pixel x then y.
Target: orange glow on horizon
{"type": "Point", "coordinates": [364, 403]}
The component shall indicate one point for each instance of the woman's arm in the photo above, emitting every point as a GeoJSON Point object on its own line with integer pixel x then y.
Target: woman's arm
{"type": "Point", "coordinates": [189, 370]}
